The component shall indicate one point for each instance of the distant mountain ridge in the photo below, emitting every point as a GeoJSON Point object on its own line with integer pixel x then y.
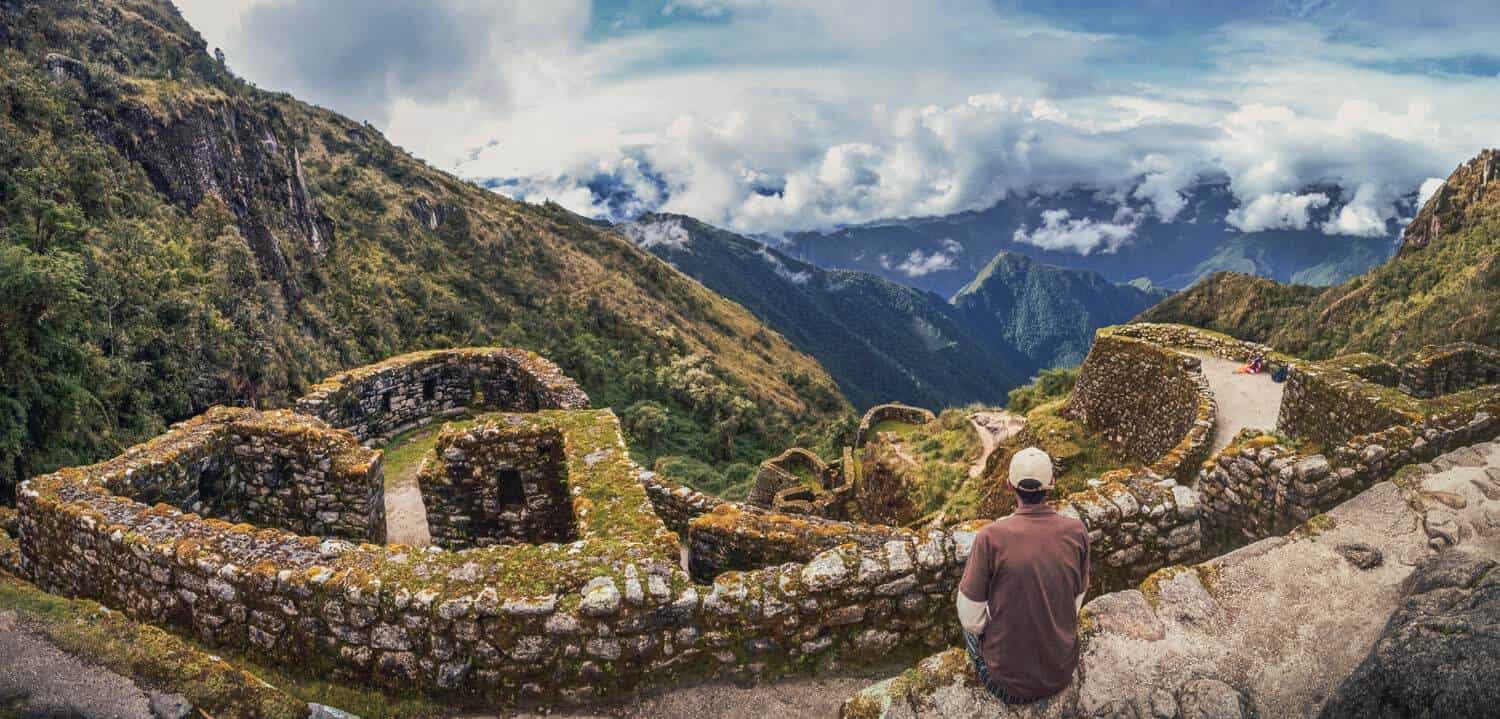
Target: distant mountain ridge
{"type": "Point", "coordinates": [882, 340]}
{"type": "Point", "coordinates": [1046, 313]}
{"type": "Point", "coordinates": [1443, 286]}
{"type": "Point", "coordinates": [942, 254]}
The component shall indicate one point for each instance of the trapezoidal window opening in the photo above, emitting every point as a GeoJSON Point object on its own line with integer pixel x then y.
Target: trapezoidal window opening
{"type": "Point", "coordinates": [512, 493]}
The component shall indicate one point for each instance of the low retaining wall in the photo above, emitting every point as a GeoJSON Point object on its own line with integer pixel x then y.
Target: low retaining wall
{"type": "Point", "coordinates": [677, 505]}
{"type": "Point", "coordinates": [1436, 371]}
{"type": "Point", "coordinates": [380, 400]}
{"type": "Point", "coordinates": [894, 411]}
{"type": "Point", "coordinates": [735, 538]}
{"type": "Point", "coordinates": [1137, 524]}
{"type": "Point", "coordinates": [1258, 488]}
{"type": "Point", "coordinates": [1151, 401]}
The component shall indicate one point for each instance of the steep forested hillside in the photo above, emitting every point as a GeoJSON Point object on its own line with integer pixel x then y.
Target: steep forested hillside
{"type": "Point", "coordinates": [881, 341]}
{"type": "Point", "coordinates": [1046, 314]}
{"type": "Point", "coordinates": [1443, 286]}
{"type": "Point", "coordinates": [171, 237]}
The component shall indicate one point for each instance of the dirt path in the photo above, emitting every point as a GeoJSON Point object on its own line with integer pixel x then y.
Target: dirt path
{"type": "Point", "coordinates": [1245, 400]}
{"type": "Point", "coordinates": [993, 428]}
{"type": "Point", "coordinates": [40, 680]}
{"type": "Point", "coordinates": [800, 697]}
{"type": "Point", "coordinates": [405, 514]}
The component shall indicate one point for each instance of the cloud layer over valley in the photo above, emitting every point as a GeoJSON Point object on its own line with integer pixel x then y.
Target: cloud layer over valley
{"type": "Point", "coordinates": [770, 116]}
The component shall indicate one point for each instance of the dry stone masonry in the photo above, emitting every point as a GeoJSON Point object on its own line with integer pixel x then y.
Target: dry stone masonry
{"type": "Point", "coordinates": [1148, 399]}
{"type": "Point", "coordinates": [380, 400]}
{"type": "Point", "coordinates": [500, 483]}
{"type": "Point", "coordinates": [892, 412]}
{"type": "Point", "coordinates": [562, 571]}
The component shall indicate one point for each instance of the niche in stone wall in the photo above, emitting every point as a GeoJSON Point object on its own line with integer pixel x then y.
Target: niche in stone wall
{"type": "Point", "coordinates": [499, 487]}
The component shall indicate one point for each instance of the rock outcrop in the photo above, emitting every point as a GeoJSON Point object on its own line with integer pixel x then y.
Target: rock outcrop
{"type": "Point", "coordinates": [1271, 629]}
{"type": "Point", "coordinates": [1439, 655]}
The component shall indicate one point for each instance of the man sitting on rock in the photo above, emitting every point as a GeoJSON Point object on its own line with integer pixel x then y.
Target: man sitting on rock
{"type": "Point", "coordinates": [1022, 589]}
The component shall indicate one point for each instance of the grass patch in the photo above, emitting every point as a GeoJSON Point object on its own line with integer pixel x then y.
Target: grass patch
{"type": "Point", "coordinates": [404, 452]}
{"type": "Point", "coordinates": [894, 426]}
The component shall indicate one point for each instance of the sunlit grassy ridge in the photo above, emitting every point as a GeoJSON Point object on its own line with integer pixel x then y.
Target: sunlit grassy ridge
{"type": "Point", "coordinates": [158, 255]}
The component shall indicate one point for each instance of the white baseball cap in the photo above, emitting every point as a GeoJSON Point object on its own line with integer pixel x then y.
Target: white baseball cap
{"type": "Point", "coordinates": [1033, 464]}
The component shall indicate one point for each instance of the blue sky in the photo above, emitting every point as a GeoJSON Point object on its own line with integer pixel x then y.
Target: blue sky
{"type": "Point", "coordinates": [768, 116]}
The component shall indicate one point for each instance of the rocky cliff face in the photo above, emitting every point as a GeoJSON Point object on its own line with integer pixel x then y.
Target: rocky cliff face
{"type": "Point", "coordinates": [244, 155]}
{"type": "Point", "coordinates": [1464, 195]}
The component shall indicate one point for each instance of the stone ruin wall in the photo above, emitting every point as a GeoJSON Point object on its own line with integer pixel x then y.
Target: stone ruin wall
{"type": "Point", "coordinates": [381, 400]}
{"type": "Point", "coordinates": [1257, 487]}
{"type": "Point", "coordinates": [570, 622]}
{"type": "Point", "coordinates": [779, 486]}
{"type": "Point", "coordinates": [543, 623]}
{"type": "Point", "coordinates": [1438, 370]}
{"type": "Point", "coordinates": [894, 411]}
{"type": "Point", "coordinates": [1147, 399]}
{"type": "Point", "coordinates": [497, 485]}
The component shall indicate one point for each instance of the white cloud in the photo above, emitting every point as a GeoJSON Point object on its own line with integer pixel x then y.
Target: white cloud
{"type": "Point", "coordinates": [780, 268]}
{"type": "Point", "coordinates": [1365, 215]}
{"type": "Point", "coordinates": [1430, 186]}
{"type": "Point", "coordinates": [1060, 231]}
{"type": "Point", "coordinates": [660, 233]}
{"type": "Point", "coordinates": [1277, 211]}
{"type": "Point", "coordinates": [919, 262]}
{"type": "Point", "coordinates": [859, 110]}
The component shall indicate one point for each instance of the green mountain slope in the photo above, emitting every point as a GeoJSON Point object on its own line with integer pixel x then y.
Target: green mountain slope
{"type": "Point", "coordinates": [1301, 257]}
{"type": "Point", "coordinates": [1442, 286]}
{"type": "Point", "coordinates": [171, 237]}
{"type": "Point", "coordinates": [1047, 314]}
{"type": "Point", "coordinates": [881, 341]}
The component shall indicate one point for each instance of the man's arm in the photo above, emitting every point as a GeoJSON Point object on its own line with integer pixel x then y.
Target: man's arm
{"type": "Point", "coordinates": [974, 588]}
{"type": "Point", "coordinates": [1087, 568]}
{"type": "Point", "coordinates": [972, 615]}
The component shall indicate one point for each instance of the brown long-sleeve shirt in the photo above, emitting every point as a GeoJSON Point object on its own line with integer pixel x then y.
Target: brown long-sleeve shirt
{"type": "Point", "coordinates": [1029, 568]}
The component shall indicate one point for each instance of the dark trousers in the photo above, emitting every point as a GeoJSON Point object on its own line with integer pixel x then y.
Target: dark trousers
{"type": "Point", "coordinates": [971, 643]}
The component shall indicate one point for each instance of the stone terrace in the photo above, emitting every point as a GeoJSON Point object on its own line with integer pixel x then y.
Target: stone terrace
{"type": "Point", "coordinates": [563, 580]}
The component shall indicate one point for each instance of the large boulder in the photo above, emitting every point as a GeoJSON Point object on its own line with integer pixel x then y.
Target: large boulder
{"type": "Point", "coordinates": [1439, 655]}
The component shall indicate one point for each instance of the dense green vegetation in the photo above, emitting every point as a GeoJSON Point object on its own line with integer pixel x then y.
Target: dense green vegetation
{"type": "Point", "coordinates": [880, 341]}
{"type": "Point", "coordinates": [1444, 290]}
{"type": "Point", "coordinates": [1044, 315]}
{"type": "Point", "coordinates": [172, 238]}
{"type": "Point", "coordinates": [1049, 384]}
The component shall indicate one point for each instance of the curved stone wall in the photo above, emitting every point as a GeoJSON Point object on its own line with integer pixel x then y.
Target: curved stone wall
{"type": "Point", "coordinates": [1147, 399]}
{"type": "Point", "coordinates": [799, 482]}
{"type": "Point", "coordinates": [380, 400]}
{"type": "Point", "coordinates": [894, 411]}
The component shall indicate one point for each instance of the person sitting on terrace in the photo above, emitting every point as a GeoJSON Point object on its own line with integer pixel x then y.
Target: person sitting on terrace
{"type": "Point", "coordinates": [1022, 589]}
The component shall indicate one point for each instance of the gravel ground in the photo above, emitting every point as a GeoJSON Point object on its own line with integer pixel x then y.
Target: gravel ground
{"type": "Point", "coordinates": [792, 697]}
{"type": "Point", "coordinates": [39, 680]}
{"type": "Point", "coordinates": [1245, 400]}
